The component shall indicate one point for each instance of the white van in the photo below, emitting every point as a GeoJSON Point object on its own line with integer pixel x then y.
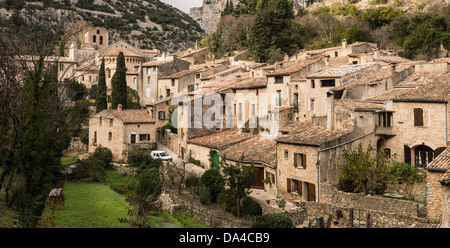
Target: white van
{"type": "Point", "coordinates": [162, 155]}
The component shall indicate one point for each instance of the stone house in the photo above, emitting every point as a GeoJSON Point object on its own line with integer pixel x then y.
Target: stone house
{"type": "Point", "coordinates": [121, 130]}
{"type": "Point", "coordinates": [438, 194]}
{"type": "Point", "coordinates": [313, 89]}
{"type": "Point", "coordinates": [260, 151]}
{"type": "Point", "coordinates": [417, 105]}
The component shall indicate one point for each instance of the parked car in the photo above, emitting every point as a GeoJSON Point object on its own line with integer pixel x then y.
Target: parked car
{"type": "Point", "coordinates": [162, 155]}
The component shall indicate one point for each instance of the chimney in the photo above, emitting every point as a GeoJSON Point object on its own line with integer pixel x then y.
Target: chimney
{"type": "Point", "coordinates": [344, 43]}
{"type": "Point", "coordinates": [393, 68]}
{"type": "Point", "coordinates": [119, 107]}
{"type": "Point", "coordinates": [330, 110]}
{"type": "Point", "coordinates": [286, 57]}
{"type": "Point", "coordinates": [73, 52]}
{"type": "Point", "coordinates": [376, 54]}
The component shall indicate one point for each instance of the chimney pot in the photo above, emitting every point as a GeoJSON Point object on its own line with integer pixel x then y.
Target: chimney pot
{"type": "Point", "coordinates": [119, 107]}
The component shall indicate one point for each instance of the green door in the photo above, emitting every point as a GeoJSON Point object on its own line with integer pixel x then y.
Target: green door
{"type": "Point", "coordinates": [215, 158]}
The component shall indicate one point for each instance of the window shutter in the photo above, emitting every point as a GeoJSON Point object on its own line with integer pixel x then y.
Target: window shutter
{"type": "Point", "coordinates": [407, 153]}
{"type": "Point", "coordinates": [288, 185]}
{"type": "Point", "coordinates": [300, 187]}
{"type": "Point", "coordinates": [304, 161]}
{"type": "Point", "coordinates": [418, 117]}
{"type": "Point", "coordinates": [295, 159]}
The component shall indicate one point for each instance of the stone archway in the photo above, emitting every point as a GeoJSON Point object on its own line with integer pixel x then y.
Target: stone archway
{"type": "Point", "coordinates": [423, 155]}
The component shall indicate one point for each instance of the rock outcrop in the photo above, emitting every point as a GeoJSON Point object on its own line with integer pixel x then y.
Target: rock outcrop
{"type": "Point", "coordinates": [209, 14]}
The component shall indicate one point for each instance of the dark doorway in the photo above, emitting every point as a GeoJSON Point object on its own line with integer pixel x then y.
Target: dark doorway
{"type": "Point", "coordinates": [258, 178]}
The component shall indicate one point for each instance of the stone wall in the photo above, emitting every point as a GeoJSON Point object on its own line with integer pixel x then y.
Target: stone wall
{"type": "Point", "coordinates": [434, 195]}
{"type": "Point", "coordinates": [77, 145]}
{"type": "Point", "coordinates": [445, 206]}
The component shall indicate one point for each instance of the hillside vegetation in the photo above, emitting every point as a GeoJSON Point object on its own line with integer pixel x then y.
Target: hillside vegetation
{"type": "Point", "coordinates": [271, 28]}
{"type": "Point", "coordinates": [146, 24]}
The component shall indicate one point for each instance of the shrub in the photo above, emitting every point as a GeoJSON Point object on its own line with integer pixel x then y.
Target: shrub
{"type": "Point", "coordinates": [406, 173]}
{"type": "Point", "coordinates": [279, 220]}
{"type": "Point", "coordinates": [192, 180]}
{"type": "Point", "coordinates": [103, 154]}
{"type": "Point", "coordinates": [250, 207]}
{"type": "Point", "coordinates": [149, 182]}
{"type": "Point", "coordinates": [204, 194]}
{"type": "Point", "coordinates": [194, 161]}
{"type": "Point", "coordinates": [214, 181]}
{"type": "Point", "coordinates": [90, 168]}
{"type": "Point", "coordinates": [139, 157]}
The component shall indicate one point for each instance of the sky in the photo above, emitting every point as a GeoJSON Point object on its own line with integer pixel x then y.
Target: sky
{"type": "Point", "coordinates": [184, 5]}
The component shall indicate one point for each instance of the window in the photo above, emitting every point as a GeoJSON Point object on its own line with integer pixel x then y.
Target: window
{"type": "Point", "coordinates": [134, 80]}
{"type": "Point", "coordinates": [98, 31]}
{"type": "Point", "coordinates": [299, 160]}
{"type": "Point", "coordinates": [336, 54]}
{"type": "Point", "coordinates": [270, 176]}
{"type": "Point", "coordinates": [173, 82]}
{"type": "Point", "coordinates": [278, 80]}
{"type": "Point", "coordinates": [161, 115]}
{"type": "Point", "coordinates": [100, 122]}
{"type": "Point", "coordinates": [286, 154]}
{"type": "Point", "coordinates": [294, 186]}
{"type": "Point", "coordinates": [149, 71]}
{"type": "Point", "coordinates": [278, 100]}
{"type": "Point", "coordinates": [136, 68]}
{"type": "Point", "coordinates": [148, 80]}
{"type": "Point", "coordinates": [167, 92]}
{"type": "Point", "coordinates": [111, 121]}
{"type": "Point", "coordinates": [313, 83]}
{"type": "Point", "coordinates": [94, 39]}
{"type": "Point", "coordinates": [133, 138]}
{"type": "Point", "coordinates": [109, 136]}
{"type": "Point", "coordinates": [253, 109]}
{"type": "Point", "coordinates": [144, 137]}
{"type": "Point", "coordinates": [385, 119]}
{"type": "Point", "coordinates": [328, 83]}
{"type": "Point", "coordinates": [312, 105]}
{"type": "Point", "coordinates": [147, 92]}
{"type": "Point", "coordinates": [418, 117]}
{"type": "Point", "coordinates": [95, 139]}
{"type": "Point", "coordinates": [101, 40]}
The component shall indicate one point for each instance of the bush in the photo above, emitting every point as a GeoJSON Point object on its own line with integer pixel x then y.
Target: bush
{"type": "Point", "coordinates": [251, 208]}
{"type": "Point", "coordinates": [406, 173]}
{"type": "Point", "coordinates": [103, 154]}
{"type": "Point", "coordinates": [149, 182]}
{"type": "Point", "coordinates": [204, 194]}
{"type": "Point", "coordinates": [214, 181]}
{"type": "Point", "coordinates": [139, 157]}
{"type": "Point", "coordinates": [228, 201]}
{"type": "Point", "coordinates": [279, 220]}
{"type": "Point", "coordinates": [90, 168]}
{"type": "Point", "coordinates": [194, 161]}
{"type": "Point", "coordinates": [192, 180]}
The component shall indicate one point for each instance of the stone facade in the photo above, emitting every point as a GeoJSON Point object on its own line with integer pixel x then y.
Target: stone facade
{"type": "Point", "coordinates": [434, 195]}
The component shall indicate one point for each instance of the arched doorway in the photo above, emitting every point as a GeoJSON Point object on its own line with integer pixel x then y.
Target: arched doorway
{"type": "Point", "coordinates": [423, 155]}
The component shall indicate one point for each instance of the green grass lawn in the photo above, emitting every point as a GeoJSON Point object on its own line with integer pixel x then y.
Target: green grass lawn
{"type": "Point", "coordinates": [90, 205]}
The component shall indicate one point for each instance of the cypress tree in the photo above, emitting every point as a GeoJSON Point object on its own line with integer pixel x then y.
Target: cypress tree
{"type": "Point", "coordinates": [101, 103]}
{"type": "Point", "coordinates": [119, 84]}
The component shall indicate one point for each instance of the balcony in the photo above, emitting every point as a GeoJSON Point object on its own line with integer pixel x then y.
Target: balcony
{"type": "Point", "coordinates": [385, 131]}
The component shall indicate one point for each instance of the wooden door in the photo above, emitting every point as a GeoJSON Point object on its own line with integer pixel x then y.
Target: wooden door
{"type": "Point", "coordinates": [311, 192]}
{"type": "Point", "coordinates": [258, 178]}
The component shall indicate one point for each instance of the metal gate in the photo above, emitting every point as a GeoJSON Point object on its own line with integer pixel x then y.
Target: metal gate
{"type": "Point", "coordinates": [360, 218]}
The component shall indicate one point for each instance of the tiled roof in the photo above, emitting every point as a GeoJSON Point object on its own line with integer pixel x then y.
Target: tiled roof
{"type": "Point", "coordinates": [441, 162]}
{"type": "Point", "coordinates": [445, 179]}
{"type": "Point", "coordinates": [356, 105]}
{"type": "Point", "coordinates": [427, 87]}
{"type": "Point", "coordinates": [115, 53]}
{"type": "Point", "coordinates": [371, 78]}
{"type": "Point", "coordinates": [129, 115]}
{"type": "Point", "coordinates": [293, 67]}
{"type": "Point", "coordinates": [258, 149]}
{"type": "Point", "coordinates": [250, 83]}
{"type": "Point", "coordinates": [156, 63]}
{"type": "Point", "coordinates": [307, 134]}
{"type": "Point", "coordinates": [179, 74]}
{"type": "Point", "coordinates": [221, 140]}
{"type": "Point", "coordinates": [339, 71]}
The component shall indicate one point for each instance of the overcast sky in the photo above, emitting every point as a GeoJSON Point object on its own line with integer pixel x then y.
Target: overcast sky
{"type": "Point", "coordinates": [184, 5]}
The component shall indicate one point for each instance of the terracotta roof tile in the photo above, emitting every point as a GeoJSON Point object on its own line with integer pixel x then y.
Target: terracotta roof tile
{"type": "Point", "coordinates": [339, 71]}
{"type": "Point", "coordinates": [179, 74]}
{"type": "Point", "coordinates": [307, 134]}
{"type": "Point", "coordinates": [441, 162]}
{"type": "Point", "coordinates": [258, 149]}
{"type": "Point", "coordinates": [221, 140]}
{"type": "Point", "coordinates": [129, 115]}
{"type": "Point", "coordinates": [115, 53]}
{"type": "Point", "coordinates": [294, 67]}
{"type": "Point", "coordinates": [356, 105]}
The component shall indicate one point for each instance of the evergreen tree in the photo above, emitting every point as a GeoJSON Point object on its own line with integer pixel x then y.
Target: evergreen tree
{"type": "Point", "coordinates": [229, 8]}
{"type": "Point", "coordinates": [119, 84]}
{"type": "Point", "coordinates": [101, 103]}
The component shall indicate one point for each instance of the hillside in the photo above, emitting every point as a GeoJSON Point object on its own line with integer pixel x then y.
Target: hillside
{"type": "Point", "coordinates": [147, 24]}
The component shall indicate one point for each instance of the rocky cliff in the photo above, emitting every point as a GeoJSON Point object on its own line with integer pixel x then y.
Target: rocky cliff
{"type": "Point", "coordinates": [209, 14]}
